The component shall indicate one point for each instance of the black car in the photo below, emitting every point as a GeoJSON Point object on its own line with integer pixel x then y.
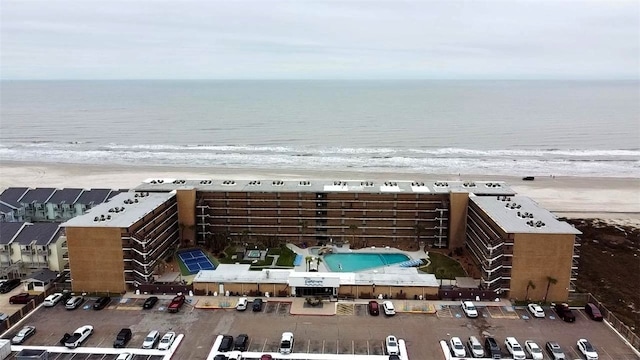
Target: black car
{"type": "Point", "coordinates": [220, 357]}
{"type": "Point", "coordinates": [64, 339]}
{"type": "Point", "coordinates": [101, 302]}
{"type": "Point", "coordinates": [241, 342]}
{"type": "Point", "coordinates": [257, 305]}
{"type": "Point", "coordinates": [122, 338]}
{"type": "Point", "coordinates": [150, 302]}
{"type": "Point", "coordinates": [226, 344]}
{"type": "Point", "coordinates": [9, 285]}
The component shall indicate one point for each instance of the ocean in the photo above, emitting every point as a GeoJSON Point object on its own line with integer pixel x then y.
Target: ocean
{"type": "Point", "coordinates": [541, 128]}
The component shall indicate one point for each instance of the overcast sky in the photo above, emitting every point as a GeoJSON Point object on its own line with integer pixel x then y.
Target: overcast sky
{"type": "Point", "coordinates": [132, 39]}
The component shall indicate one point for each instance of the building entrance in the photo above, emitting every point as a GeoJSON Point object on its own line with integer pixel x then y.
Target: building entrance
{"type": "Point", "coordinates": [314, 291]}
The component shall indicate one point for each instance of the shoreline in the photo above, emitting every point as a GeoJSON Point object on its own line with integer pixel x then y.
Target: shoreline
{"type": "Point", "coordinates": [603, 197]}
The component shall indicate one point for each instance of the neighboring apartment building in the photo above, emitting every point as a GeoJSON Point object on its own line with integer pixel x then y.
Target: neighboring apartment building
{"type": "Point", "coordinates": [516, 243]}
{"type": "Point", "coordinates": [119, 244]}
{"type": "Point", "coordinates": [26, 247]}
{"type": "Point", "coordinates": [49, 205]}
{"type": "Point", "coordinates": [10, 207]}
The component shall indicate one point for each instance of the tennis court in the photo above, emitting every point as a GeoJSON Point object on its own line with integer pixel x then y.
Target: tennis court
{"type": "Point", "coordinates": [195, 260]}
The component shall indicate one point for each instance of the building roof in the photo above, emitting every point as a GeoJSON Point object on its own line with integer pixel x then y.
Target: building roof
{"type": "Point", "coordinates": [115, 192]}
{"type": "Point", "coordinates": [93, 196]}
{"type": "Point", "coordinates": [327, 185]}
{"type": "Point", "coordinates": [389, 276]}
{"type": "Point", "coordinates": [44, 275]}
{"type": "Point", "coordinates": [39, 196]}
{"type": "Point", "coordinates": [12, 195]}
{"type": "Point", "coordinates": [5, 208]}
{"type": "Point", "coordinates": [520, 214]}
{"type": "Point", "coordinates": [8, 231]}
{"type": "Point", "coordinates": [122, 211]}
{"type": "Point", "coordinates": [65, 196]}
{"type": "Point", "coordinates": [38, 233]}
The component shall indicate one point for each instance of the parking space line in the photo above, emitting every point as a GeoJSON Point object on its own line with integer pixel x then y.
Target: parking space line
{"type": "Point", "coordinates": [605, 351]}
{"type": "Point", "coordinates": [264, 345]}
{"type": "Point", "coordinates": [337, 347]}
{"type": "Point", "coordinates": [308, 346]}
{"type": "Point", "coordinates": [353, 347]}
{"type": "Point", "coordinates": [323, 346]}
{"type": "Point", "coordinates": [368, 353]}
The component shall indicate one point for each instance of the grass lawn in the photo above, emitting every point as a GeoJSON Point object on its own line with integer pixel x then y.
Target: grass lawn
{"type": "Point", "coordinates": [443, 267]}
{"type": "Point", "coordinates": [183, 268]}
{"type": "Point", "coordinates": [287, 256]}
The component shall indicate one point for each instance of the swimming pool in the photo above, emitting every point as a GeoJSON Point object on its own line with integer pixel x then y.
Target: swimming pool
{"type": "Point", "coordinates": [354, 262]}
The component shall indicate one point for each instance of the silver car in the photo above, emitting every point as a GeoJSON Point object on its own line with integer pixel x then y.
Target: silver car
{"type": "Point", "coordinates": [555, 351]}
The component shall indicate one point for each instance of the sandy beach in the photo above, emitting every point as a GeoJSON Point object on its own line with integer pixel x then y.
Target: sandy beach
{"type": "Point", "coordinates": [607, 198]}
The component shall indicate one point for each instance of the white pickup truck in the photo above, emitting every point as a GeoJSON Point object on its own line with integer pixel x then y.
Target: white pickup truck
{"type": "Point", "coordinates": [79, 336]}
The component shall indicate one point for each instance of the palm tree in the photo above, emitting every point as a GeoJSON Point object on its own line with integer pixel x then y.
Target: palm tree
{"type": "Point", "coordinates": [353, 228]}
{"type": "Point", "coordinates": [318, 261]}
{"type": "Point", "coordinates": [303, 229]}
{"type": "Point", "coordinates": [308, 260]}
{"type": "Point", "coordinates": [530, 285]}
{"type": "Point", "coordinates": [550, 281]}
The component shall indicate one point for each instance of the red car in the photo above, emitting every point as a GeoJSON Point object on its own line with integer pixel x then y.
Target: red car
{"type": "Point", "coordinates": [21, 298]}
{"type": "Point", "coordinates": [266, 357]}
{"type": "Point", "coordinates": [176, 304]}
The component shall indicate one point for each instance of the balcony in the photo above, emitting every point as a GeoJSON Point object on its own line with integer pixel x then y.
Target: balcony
{"type": "Point", "coordinates": [65, 256]}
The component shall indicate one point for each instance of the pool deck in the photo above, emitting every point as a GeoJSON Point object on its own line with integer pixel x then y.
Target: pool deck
{"type": "Point", "coordinates": [420, 254]}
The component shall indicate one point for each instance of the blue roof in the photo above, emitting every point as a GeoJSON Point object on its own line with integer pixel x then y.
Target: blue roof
{"type": "Point", "coordinates": [41, 233]}
{"type": "Point", "coordinates": [93, 196]}
{"type": "Point", "coordinates": [65, 196]}
{"type": "Point", "coordinates": [8, 230]}
{"type": "Point", "coordinates": [12, 195]}
{"type": "Point", "coordinates": [39, 196]}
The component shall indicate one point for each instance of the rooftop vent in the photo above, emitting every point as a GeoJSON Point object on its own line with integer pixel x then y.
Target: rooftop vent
{"type": "Point", "coordinates": [277, 183]}
{"type": "Point", "coordinates": [340, 183]}
{"type": "Point", "coordinates": [418, 183]}
{"type": "Point", "coordinates": [141, 194]}
{"type": "Point", "coordinates": [179, 181]}
{"type": "Point", "coordinates": [525, 215]}
{"type": "Point", "coordinates": [390, 183]}
{"type": "Point", "coordinates": [305, 183]}
{"type": "Point", "coordinates": [469, 184]}
{"type": "Point", "coordinates": [367, 183]}
{"type": "Point", "coordinates": [441, 184]}
{"type": "Point", "coordinates": [254, 183]}
{"type": "Point", "coordinates": [504, 198]}
{"type": "Point", "coordinates": [493, 185]}
{"type": "Point", "coordinates": [536, 224]}
{"type": "Point", "coordinates": [229, 182]}
{"type": "Point", "coordinates": [206, 182]}
{"type": "Point", "coordinates": [159, 181]}
{"type": "Point", "coordinates": [512, 206]}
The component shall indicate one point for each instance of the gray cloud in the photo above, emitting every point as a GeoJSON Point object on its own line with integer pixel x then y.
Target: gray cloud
{"type": "Point", "coordinates": [287, 39]}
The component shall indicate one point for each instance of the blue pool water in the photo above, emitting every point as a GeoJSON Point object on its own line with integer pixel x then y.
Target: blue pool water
{"type": "Point", "coordinates": [352, 262]}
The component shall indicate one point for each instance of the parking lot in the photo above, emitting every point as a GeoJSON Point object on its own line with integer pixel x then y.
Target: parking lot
{"type": "Point", "coordinates": [351, 332]}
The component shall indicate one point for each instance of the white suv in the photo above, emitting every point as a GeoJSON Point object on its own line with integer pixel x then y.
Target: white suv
{"type": "Point", "coordinates": [392, 345]}
{"type": "Point", "coordinates": [469, 309]}
{"type": "Point", "coordinates": [514, 348]}
{"type": "Point", "coordinates": [151, 340]}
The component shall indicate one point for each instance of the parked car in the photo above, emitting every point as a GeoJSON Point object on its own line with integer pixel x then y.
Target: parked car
{"type": "Point", "coordinates": [391, 343]}
{"type": "Point", "coordinates": [457, 347]}
{"type": "Point", "coordinates": [78, 337]}
{"type": "Point", "coordinates": [514, 348]}
{"type": "Point", "coordinates": [52, 299]}
{"type": "Point", "coordinates": [122, 338]}
{"type": "Point", "coordinates": [241, 342]}
{"type": "Point", "coordinates": [125, 356]}
{"type": "Point", "coordinates": [21, 298]}
{"type": "Point", "coordinates": [387, 307]}
{"type": "Point", "coordinates": [492, 348]}
{"type": "Point", "coordinates": [475, 347]}
{"type": "Point", "coordinates": [555, 351]}
{"type": "Point", "coordinates": [167, 340]}
{"type": "Point", "coordinates": [9, 285]}
{"type": "Point", "coordinates": [226, 344]}
{"type": "Point", "coordinates": [469, 309]}
{"type": "Point", "coordinates": [266, 357]}
{"type": "Point", "coordinates": [374, 308]}
{"type": "Point", "coordinates": [101, 303]}
{"type": "Point", "coordinates": [220, 357]}
{"type": "Point", "coordinates": [3, 317]}
{"type": "Point", "coordinates": [564, 312]}
{"type": "Point", "coordinates": [587, 349]}
{"type": "Point", "coordinates": [242, 304]}
{"type": "Point", "coordinates": [150, 302]}
{"type": "Point", "coordinates": [593, 312]}
{"type": "Point", "coordinates": [257, 305]}
{"type": "Point", "coordinates": [176, 303]}
{"type": "Point", "coordinates": [536, 310]}
{"type": "Point", "coordinates": [533, 350]}
{"type": "Point", "coordinates": [74, 302]}
{"type": "Point", "coordinates": [286, 343]}
{"type": "Point", "coordinates": [151, 339]}
{"type": "Point", "coordinates": [22, 335]}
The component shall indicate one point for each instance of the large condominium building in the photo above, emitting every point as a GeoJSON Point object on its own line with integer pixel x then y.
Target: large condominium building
{"type": "Point", "coordinates": [119, 243]}
{"type": "Point", "coordinates": [440, 214]}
